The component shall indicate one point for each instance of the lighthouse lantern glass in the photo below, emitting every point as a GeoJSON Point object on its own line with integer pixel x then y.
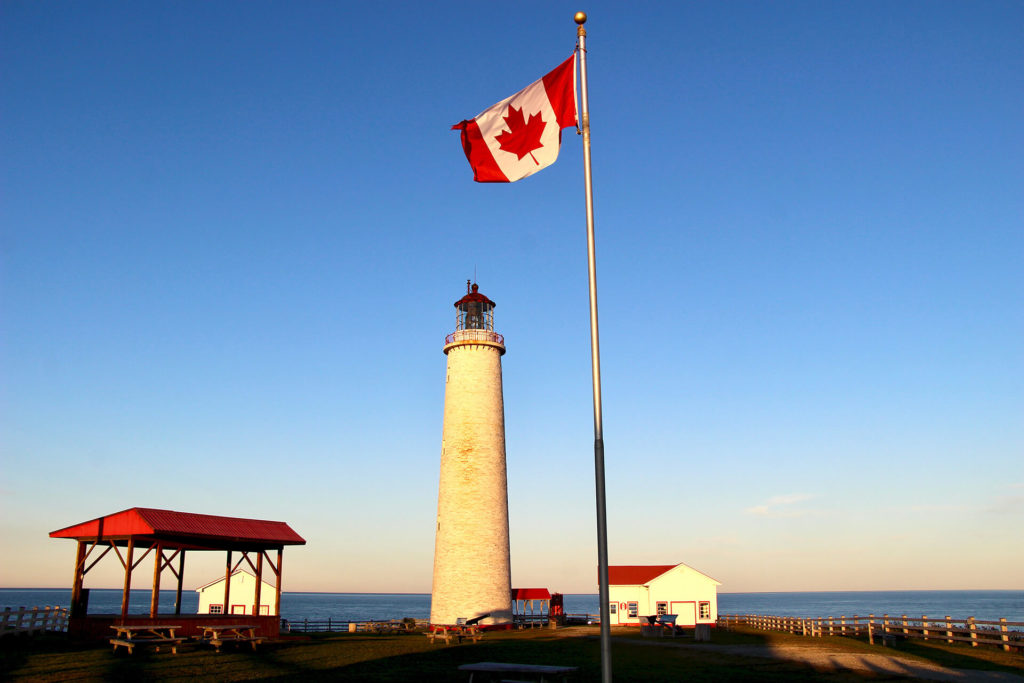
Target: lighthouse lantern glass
{"type": "Point", "coordinates": [475, 315]}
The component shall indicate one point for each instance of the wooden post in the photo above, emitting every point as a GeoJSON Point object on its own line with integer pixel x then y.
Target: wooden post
{"type": "Point", "coordinates": [259, 582]}
{"type": "Point", "coordinates": [949, 629]}
{"type": "Point", "coordinates": [974, 631]}
{"type": "Point", "coordinates": [154, 601]}
{"type": "Point", "coordinates": [906, 631]}
{"type": "Point", "coordinates": [280, 574]}
{"type": "Point", "coordinates": [127, 578]}
{"type": "Point", "coordinates": [924, 626]}
{"type": "Point", "coordinates": [79, 580]}
{"type": "Point", "coordinates": [885, 622]}
{"type": "Point", "coordinates": [181, 579]}
{"type": "Point", "coordinates": [1004, 636]}
{"type": "Point", "coordinates": [227, 586]}
{"type": "Point", "coordinates": [871, 630]}
{"type": "Point", "coordinates": [831, 626]}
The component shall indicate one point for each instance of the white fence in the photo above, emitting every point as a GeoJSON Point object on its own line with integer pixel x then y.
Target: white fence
{"type": "Point", "coordinates": [970, 630]}
{"type": "Point", "coordinates": [34, 620]}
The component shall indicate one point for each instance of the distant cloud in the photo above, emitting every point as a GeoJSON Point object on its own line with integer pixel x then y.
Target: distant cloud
{"type": "Point", "coordinates": [1007, 504]}
{"type": "Point", "coordinates": [780, 506]}
{"type": "Point", "coordinates": [941, 507]}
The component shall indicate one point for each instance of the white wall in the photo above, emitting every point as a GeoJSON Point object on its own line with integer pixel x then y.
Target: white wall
{"type": "Point", "coordinates": [242, 597]}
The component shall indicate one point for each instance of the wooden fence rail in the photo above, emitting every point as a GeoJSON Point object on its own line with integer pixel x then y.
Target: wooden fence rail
{"type": "Point", "coordinates": [330, 625]}
{"type": "Point", "coordinates": [34, 620]}
{"type": "Point", "coordinates": [886, 629]}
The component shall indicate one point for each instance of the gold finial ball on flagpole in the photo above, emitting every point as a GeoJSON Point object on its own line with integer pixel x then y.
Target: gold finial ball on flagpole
{"type": "Point", "coordinates": [580, 18]}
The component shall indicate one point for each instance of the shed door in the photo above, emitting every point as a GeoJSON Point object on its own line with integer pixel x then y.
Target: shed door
{"type": "Point", "coordinates": [686, 610]}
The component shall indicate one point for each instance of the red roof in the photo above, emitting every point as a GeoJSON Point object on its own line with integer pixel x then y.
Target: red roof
{"type": "Point", "coordinates": [531, 594]}
{"type": "Point", "coordinates": [474, 295]}
{"type": "Point", "coordinates": [636, 574]}
{"type": "Point", "coordinates": [184, 530]}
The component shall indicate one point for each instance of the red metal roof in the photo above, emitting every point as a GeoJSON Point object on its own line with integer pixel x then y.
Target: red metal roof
{"type": "Point", "coordinates": [636, 574]}
{"type": "Point", "coordinates": [183, 529]}
{"type": "Point", "coordinates": [531, 594]}
{"type": "Point", "coordinates": [474, 295]}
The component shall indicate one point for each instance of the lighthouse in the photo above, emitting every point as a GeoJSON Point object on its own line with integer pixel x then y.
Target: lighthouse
{"type": "Point", "coordinates": [472, 575]}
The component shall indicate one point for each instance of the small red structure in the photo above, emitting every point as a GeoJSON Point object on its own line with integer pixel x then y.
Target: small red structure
{"type": "Point", "coordinates": [169, 534]}
{"type": "Point", "coordinates": [530, 605]}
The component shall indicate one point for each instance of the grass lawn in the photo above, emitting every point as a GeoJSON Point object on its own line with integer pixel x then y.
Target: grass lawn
{"type": "Point", "coordinates": [371, 657]}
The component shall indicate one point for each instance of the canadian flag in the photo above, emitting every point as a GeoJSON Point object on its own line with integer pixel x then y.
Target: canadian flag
{"type": "Point", "coordinates": [521, 134]}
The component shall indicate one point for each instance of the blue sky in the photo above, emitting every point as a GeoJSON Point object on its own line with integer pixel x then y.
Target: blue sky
{"type": "Point", "coordinates": [232, 234]}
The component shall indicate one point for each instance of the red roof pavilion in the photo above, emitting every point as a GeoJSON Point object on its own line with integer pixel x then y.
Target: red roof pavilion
{"type": "Point", "coordinates": [169, 534]}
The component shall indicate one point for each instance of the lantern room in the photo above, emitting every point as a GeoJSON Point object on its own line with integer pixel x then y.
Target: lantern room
{"type": "Point", "coordinates": [474, 311]}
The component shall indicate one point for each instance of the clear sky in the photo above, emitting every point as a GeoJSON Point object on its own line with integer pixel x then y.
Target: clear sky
{"type": "Point", "coordinates": [232, 234]}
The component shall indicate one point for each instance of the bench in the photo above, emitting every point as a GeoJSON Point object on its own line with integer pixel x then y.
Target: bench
{"type": "Point", "coordinates": [230, 633]}
{"type": "Point", "coordinates": [446, 633]}
{"type": "Point", "coordinates": [156, 642]}
{"type": "Point", "coordinates": [129, 636]}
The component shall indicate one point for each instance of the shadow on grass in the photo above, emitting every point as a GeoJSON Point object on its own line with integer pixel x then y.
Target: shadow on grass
{"type": "Point", "coordinates": [368, 657]}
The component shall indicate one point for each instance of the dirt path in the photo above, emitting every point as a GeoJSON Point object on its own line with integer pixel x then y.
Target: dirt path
{"type": "Point", "coordinates": [824, 659]}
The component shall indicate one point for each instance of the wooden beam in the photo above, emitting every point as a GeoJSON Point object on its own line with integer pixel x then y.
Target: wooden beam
{"type": "Point", "coordinates": [79, 579]}
{"type": "Point", "coordinates": [181, 577]}
{"type": "Point", "coordinates": [227, 586]}
{"type": "Point", "coordinates": [154, 600]}
{"type": "Point", "coordinates": [127, 579]}
{"type": "Point", "coordinates": [139, 561]}
{"type": "Point", "coordinates": [277, 597]}
{"type": "Point", "coordinates": [102, 555]}
{"type": "Point", "coordinates": [259, 582]}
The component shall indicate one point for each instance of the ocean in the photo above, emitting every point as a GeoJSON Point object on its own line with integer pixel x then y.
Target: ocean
{"type": "Point", "coordinates": [981, 604]}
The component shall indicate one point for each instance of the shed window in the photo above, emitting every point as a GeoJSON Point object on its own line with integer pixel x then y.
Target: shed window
{"type": "Point", "coordinates": [662, 608]}
{"type": "Point", "coordinates": [216, 609]}
{"type": "Point", "coordinates": [632, 609]}
{"type": "Point", "coordinates": [705, 610]}
{"type": "Point", "coordinates": [612, 606]}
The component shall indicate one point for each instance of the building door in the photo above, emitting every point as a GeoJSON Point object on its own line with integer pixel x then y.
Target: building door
{"type": "Point", "coordinates": [686, 611]}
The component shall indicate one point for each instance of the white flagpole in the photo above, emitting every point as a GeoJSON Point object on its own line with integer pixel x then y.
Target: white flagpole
{"type": "Point", "coordinates": [595, 360]}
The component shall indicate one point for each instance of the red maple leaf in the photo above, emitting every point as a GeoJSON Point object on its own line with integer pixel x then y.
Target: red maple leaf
{"type": "Point", "coordinates": [522, 137]}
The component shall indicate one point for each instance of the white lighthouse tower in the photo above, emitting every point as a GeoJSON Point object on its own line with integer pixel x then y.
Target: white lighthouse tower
{"type": "Point", "coordinates": [472, 576]}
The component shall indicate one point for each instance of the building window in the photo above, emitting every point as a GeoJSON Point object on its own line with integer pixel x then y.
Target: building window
{"type": "Point", "coordinates": [632, 609]}
{"type": "Point", "coordinates": [662, 608]}
{"type": "Point", "coordinates": [264, 609]}
{"type": "Point", "coordinates": [612, 607]}
{"type": "Point", "coordinates": [705, 610]}
{"type": "Point", "coordinates": [238, 609]}
{"type": "Point", "coordinates": [216, 609]}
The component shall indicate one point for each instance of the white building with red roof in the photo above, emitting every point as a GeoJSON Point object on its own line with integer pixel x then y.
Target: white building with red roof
{"type": "Point", "coordinates": [636, 591]}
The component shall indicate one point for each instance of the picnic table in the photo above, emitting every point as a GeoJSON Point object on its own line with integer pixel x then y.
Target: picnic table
{"type": "Point", "coordinates": [219, 634]}
{"type": "Point", "coordinates": [130, 635]}
{"type": "Point", "coordinates": [457, 631]}
{"type": "Point", "coordinates": [542, 671]}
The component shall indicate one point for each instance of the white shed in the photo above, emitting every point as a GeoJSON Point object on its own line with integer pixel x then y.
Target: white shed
{"type": "Point", "coordinates": [636, 591]}
{"type": "Point", "coordinates": [242, 595]}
